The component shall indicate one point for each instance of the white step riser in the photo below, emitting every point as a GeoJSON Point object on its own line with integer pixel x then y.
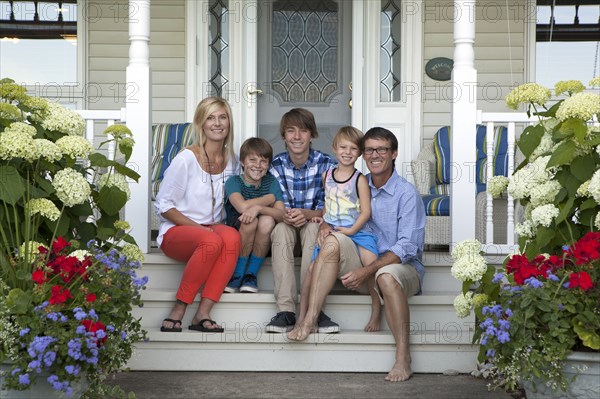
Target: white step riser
{"type": "Point", "coordinates": [326, 357]}
{"type": "Point", "coordinates": [349, 317]}
{"type": "Point", "coordinates": [168, 276]}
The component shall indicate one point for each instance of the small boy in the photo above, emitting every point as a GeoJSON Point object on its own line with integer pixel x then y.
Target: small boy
{"type": "Point", "coordinates": [254, 205]}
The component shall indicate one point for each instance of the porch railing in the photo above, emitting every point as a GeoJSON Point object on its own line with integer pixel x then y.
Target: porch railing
{"type": "Point", "coordinates": [98, 120]}
{"type": "Point", "coordinates": [515, 123]}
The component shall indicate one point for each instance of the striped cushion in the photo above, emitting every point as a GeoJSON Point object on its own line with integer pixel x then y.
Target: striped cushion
{"type": "Point", "coordinates": [500, 148]}
{"type": "Point", "coordinates": [441, 148]}
{"type": "Point", "coordinates": [436, 205]}
{"type": "Point", "coordinates": [167, 140]}
{"type": "Point", "coordinates": [440, 189]}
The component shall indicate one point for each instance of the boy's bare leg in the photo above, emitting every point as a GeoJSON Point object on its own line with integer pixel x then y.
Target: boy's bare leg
{"type": "Point", "coordinates": [247, 235]}
{"type": "Point", "coordinates": [262, 237]}
{"type": "Point", "coordinates": [374, 324]}
{"type": "Point", "coordinates": [398, 318]}
{"type": "Point", "coordinates": [324, 273]}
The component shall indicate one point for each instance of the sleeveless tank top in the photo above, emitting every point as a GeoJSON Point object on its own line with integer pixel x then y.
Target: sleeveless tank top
{"type": "Point", "coordinates": [341, 200]}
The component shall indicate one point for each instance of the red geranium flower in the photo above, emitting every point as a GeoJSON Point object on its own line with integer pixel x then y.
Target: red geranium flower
{"type": "Point", "coordinates": [59, 244]}
{"type": "Point", "coordinates": [580, 280]}
{"type": "Point", "coordinates": [93, 327]}
{"type": "Point", "coordinates": [39, 277]}
{"type": "Point", "coordinates": [59, 295]}
{"type": "Point", "coordinates": [90, 297]}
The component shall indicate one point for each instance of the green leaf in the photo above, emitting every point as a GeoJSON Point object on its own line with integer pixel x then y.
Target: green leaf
{"type": "Point", "coordinates": [84, 209]}
{"type": "Point", "coordinates": [551, 113]}
{"type": "Point", "coordinates": [18, 301]}
{"type": "Point", "coordinates": [583, 167]}
{"type": "Point", "coordinates": [587, 336]}
{"type": "Point", "coordinates": [544, 236]}
{"type": "Point", "coordinates": [100, 160]}
{"type": "Point", "coordinates": [568, 181]}
{"type": "Point", "coordinates": [563, 154]}
{"type": "Point", "coordinates": [111, 200]}
{"type": "Point", "coordinates": [587, 204]}
{"type": "Point", "coordinates": [571, 127]}
{"type": "Point", "coordinates": [124, 170]}
{"type": "Point", "coordinates": [12, 185]}
{"type": "Point", "coordinates": [566, 209]}
{"type": "Point", "coordinates": [126, 150]}
{"type": "Point", "coordinates": [530, 139]}
{"type": "Point", "coordinates": [86, 231]}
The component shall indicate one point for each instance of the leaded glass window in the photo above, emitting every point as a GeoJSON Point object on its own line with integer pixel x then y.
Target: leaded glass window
{"type": "Point", "coordinates": [304, 51]}
{"type": "Point", "coordinates": [218, 46]}
{"type": "Point", "coordinates": [389, 51]}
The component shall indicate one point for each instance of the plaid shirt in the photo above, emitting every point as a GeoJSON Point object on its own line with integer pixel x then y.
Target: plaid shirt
{"type": "Point", "coordinates": [302, 187]}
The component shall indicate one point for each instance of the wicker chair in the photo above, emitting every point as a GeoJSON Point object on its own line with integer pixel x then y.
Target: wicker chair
{"type": "Point", "coordinates": [437, 228]}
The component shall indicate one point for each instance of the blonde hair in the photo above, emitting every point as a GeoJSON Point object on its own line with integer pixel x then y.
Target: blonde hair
{"type": "Point", "coordinates": [203, 111]}
{"type": "Point", "coordinates": [350, 133]}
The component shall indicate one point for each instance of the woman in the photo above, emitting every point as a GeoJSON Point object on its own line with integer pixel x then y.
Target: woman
{"type": "Point", "coordinates": [190, 205]}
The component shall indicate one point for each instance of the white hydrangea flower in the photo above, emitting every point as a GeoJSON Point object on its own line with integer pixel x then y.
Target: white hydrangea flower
{"type": "Point", "coordinates": [598, 149]}
{"type": "Point", "coordinates": [463, 304]}
{"type": "Point", "coordinates": [71, 187]}
{"type": "Point", "coordinates": [16, 144]}
{"type": "Point", "coordinates": [80, 254]}
{"type": "Point", "coordinates": [115, 180]}
{"type": "Point", "coordinates": [21, 127]}
{"type": "Point", "coordinates": [496, 185]}
{"type": "Point", "coordinates": [10, 112]}
{"type": "Point", "coordinates": [594, 186]}
{"type": "Point", "coordinates": [545, 147]}
{"type": "Point", "coordinates": [133, 253]}
{"type": "Point", "coordinates": [584, 189]}
{"type": "Point", "coordinates": [568, 86]}
{"type": "Point", "coordinates": [544, 215]}
{"type": "Point", "coordinates": [532, 174]}
{"type": "Point", "coordinates": [580, 106]}
{"type": "Point", "coordinates": [466, 248]}
{"type": "Point", "coordinates": [75, 146]}
{"type": "Point", "coordinates": [47, 150]}
{"type": "Point", "coordinates": [32, 247]}
{"type": "Point", "coordinates": [60, 119]}
{"type": "Point", "coordinates": [469, 268]}
{"type": "Point", "coordinates": [122, 225]}
{"type": "Point", "coordinates": [597, 221]}
{"type": "Point", "coordinates": [525, 229]}
{"type": "Point", "coordinates": [528, 93]}
{"type": "Point", "coordinates": [544, 193]}
{"type": "Point", "coordinates": [44, 207]}
{"type": "Point", "coordinates": [595, 82]}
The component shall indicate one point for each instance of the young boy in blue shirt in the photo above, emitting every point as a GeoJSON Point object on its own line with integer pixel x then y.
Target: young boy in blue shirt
{"type": "Point", "coordinates": [254, 205]}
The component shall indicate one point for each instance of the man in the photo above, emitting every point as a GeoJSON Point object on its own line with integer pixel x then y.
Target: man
{"type": "Point", "coordinates": [299, 171]}
{"type": "Point", "coordinates": [398, 222]}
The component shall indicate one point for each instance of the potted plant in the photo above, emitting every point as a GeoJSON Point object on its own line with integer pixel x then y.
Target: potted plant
{"type": "Point", "coordinates": [68, 278]}
{"type": "Point", "coordinates": [544, 305]}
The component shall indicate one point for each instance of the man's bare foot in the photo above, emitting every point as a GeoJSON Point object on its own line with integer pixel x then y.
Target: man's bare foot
{"type": "Point", "coordinates": [300, 332]}
{"type": "Point", "coordinates": [400, 372]}
{"type": "Point", "coordinates": [374, 323]}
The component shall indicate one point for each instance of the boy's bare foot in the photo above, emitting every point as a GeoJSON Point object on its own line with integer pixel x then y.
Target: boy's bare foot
{"type": "Point", "coordinates": [300, 332]}
{"type": "Point", "coordinates": [374, 323]}
{"type": "Point", "coordinates": [400, 372]}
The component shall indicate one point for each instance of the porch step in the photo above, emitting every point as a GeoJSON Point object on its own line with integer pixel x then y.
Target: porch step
{"type": "Point", "coordinates": [438, 339]}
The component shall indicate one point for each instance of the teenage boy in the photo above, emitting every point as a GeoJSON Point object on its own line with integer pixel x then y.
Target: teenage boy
{"type": "Point", "coordinates": [299, 171]}
{"type": "Point", "coordinates": [254, 205]}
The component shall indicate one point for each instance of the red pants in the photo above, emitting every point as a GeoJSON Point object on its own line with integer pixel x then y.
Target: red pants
{"type": "Point", "coordinates": [210, 258]}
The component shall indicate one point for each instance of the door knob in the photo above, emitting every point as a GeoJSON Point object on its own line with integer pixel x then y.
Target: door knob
{"type": "Point", "coordinates": [254, 91]}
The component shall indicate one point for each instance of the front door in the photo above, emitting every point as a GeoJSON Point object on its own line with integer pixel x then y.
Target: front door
{"type": "Point", "coordinates": [304, 60]}
{"type": "Point", "coordinates": [355, 62]}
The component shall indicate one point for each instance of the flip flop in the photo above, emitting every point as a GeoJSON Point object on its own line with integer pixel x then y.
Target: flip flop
{"type": "Point", "coordinates": [200, 326]}
{"type": "Point", "coordinates": [171, 329]}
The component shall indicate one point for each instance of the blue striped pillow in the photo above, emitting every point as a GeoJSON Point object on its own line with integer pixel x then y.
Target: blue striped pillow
{"type": "Point", "coordinates": [500, 148]}
{"type": "Point", "coordinates": [168, 139]}
{"type": "Point", "coordinates": [441, 148]}
{"type": "Point", "coordinates": [436, 205]}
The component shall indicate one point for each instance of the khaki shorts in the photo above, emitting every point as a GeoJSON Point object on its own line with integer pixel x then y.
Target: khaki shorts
{"type": "Point", "coordinates": [404, 274]}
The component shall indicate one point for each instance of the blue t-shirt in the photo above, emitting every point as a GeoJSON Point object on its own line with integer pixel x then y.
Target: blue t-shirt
{"type": "Point", "coordinates": [236, 184]}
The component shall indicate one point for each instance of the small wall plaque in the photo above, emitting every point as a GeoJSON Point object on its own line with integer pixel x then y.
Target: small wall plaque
{"type": "Point", "coordinates": [439, 68]}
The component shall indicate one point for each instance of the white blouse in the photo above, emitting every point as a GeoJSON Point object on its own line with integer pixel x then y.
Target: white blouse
{"type": "Point", "coordinates": [187, 188]}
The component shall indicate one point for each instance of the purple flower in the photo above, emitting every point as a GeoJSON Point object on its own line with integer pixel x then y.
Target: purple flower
{"type": "Point", "coordinates": [24, 331]}
{"type": "Point", "coordinates": [73, 370]}
{"type": "Point", "coordinates": [503, 337]}
{"type": "Point", "coordinates": [123, 335]}
{"type": "Point", "coordinates": [508, 312]}
{"type": "Point", "coordinates": [484, 340]}
{"type": "Point", "coordinates": [80, 330]}
{"type": "Point", "coordinates": [497, 278]}
{"type": "Point", "coordinates": [561, 306]}
{"type": "Point", "coordinates": [110, 328]}
{"type": "Point", "coordinates": [100, 334]}
{"type": "Point", "coordinates": [534, 282]}
{"type": "Point", "coordinates": [15, 371]}
{"type": "Point", "coordinates": [552, 277]}
{"type": "Point", "coordinates": [79, 314]}
{"type": "Point", "coordinates": [566, 285]}
{"type": "Point", "coordinates": [49, 358]}
{"type": "Point", "coordinates": [92, 314]}
{"type": "Point", "coordinates": [35, 365]}
{"type": "Point", "coordinates": [504, 324]}
{"type": "Point", "coordinates": [565, 247]}
{"type": "Point", "coordinates": [490, 353]}
{"type": "Point", "coordinates": [24, 379]}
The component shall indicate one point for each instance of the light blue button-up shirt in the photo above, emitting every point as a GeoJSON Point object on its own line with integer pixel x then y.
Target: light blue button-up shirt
{"type": "Point", "coordinates": [398, 221]}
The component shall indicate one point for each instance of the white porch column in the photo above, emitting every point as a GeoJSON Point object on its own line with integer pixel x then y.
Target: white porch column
{"type": "Point", "coordinates": [138, 99]}
{"type": "Point", "coordinates": [464, 115]}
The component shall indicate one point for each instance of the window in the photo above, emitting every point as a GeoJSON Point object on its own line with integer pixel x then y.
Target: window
{"type": "Point", "coordinates": [38, 43]}
{"type": "Point", "coordinates": [567, 40]}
